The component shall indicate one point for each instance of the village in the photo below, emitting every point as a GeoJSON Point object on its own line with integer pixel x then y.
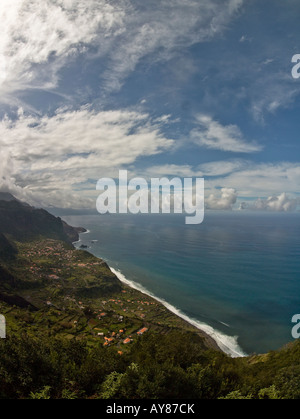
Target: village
{"type": "Point", "coordinates": [79, 297]}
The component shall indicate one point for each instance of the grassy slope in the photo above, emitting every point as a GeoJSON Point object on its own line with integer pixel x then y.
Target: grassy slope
{"type": "Point", "coordinates": [49, 290]}
{"type": "Point", "coordinates": [74, 294]}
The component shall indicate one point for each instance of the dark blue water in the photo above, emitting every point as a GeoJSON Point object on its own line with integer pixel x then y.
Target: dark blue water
{"type": "Point", "coordinates": [236, 272]}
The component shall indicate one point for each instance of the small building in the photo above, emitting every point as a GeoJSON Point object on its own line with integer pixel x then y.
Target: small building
{"type": "Point", "coordinates": [142, 331]}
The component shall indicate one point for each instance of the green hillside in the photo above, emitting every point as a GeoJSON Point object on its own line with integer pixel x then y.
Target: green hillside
{"type": "Point", "coordinates": [22, 222]}
{"type": "Point", "coordinates": [75, 331]}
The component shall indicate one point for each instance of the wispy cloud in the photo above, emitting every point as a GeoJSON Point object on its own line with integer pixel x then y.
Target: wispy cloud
{"type": "Point", "coordinates": [261, 179]}
{"type": "Point", "coordinates": [222, 167]}
{"type": "Point", "coordinates": [38, 39]}
{"type": "Point", "coordinates": [164, 28]}
{"type": "Point", "coordinates": [211, 134]}
{"type": "Point", "coordinates": [245, 38]}
{"type": "Point", "coordinates": [209, 169]}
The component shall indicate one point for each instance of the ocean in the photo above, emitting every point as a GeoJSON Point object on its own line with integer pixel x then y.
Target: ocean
{"type": "Point", "coordinates": [236, 275]}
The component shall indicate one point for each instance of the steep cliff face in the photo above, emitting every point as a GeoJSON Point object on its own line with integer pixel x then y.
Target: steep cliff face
{"type": "Point", "coordinates": [22, 222]}
{"type": "Point", "coordinates": [72, 232]}
{"type": "Point", "coordinates": [7, 249]}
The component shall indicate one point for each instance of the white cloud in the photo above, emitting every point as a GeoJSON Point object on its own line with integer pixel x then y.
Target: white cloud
{"type": "Point", "coordinates": [163, 28]}
{"type": "Point", "coordinates": [223, 167]}
{"type": "Point", "coordinates": [279, 203]}
{"type": "Point", "coordinates": [245, 38]}
{"type": "Point", "coordinates": [262, 179]}
{"type": "Point", "coordinates": [271, 93]}
{"type": "Point", "coordinates": [251, 180]}
{"type": "Point", "coordinates": [37, 39]}
{"type": "Point", "coordinates": [222, 201]}
{"type": "Point", "coordinates": [57, 153]}
{"type": "Point", "coordinates": [174, 170]}
{"type": "Point", "coordinates": [211, 134]}
{"type": "Point", "coordinates": [209, 169]}
{"type": "Point", "coordinates": [6, 171]}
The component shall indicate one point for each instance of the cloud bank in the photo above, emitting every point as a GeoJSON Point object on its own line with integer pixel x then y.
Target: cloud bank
{"type": "Point", "coordinates": [279, 203]}
{"type": "Point", "coordinates": [56, 153]}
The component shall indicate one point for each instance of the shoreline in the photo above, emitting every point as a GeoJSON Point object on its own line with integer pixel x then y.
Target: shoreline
{"type": "Point", "coordinates": [225, 343]}
{"type": "Point", "coordinates": [231, 348]}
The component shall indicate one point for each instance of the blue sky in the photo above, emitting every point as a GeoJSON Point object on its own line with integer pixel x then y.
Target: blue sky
{"type": "Point", "coordinates": [161, 88]}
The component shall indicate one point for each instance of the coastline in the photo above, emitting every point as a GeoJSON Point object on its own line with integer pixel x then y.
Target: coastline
{"type": "Point", "coordinates": [216, 339]}
{"type": "Point", "coordinates": [225, 343]}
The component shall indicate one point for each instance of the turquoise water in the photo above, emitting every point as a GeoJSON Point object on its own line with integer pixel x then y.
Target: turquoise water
{"type": "Point", "coordinates": [237, 272]}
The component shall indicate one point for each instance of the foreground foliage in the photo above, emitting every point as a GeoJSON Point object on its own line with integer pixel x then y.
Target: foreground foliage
{"type": "Point", "coordinates": [155, 367]}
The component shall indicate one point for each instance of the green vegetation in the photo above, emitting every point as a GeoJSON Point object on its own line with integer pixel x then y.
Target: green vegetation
{"type": "Point", "coordinates": [23, 222]}
{"type": "Point", "coordinates": [75, 331]}
{"type": "Point", "coordinates": [68, 317]}
{"type": "Point", "coordinates": [155, 367]}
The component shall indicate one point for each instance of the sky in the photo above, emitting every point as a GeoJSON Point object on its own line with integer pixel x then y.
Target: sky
{"type": "Point", "coordinates": [188, 88]}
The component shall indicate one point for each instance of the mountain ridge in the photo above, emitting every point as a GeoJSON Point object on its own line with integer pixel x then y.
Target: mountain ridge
{"type": "Point", "coordinates": [21, 221]}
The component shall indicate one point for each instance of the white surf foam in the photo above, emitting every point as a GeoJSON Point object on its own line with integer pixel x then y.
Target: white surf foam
{"type": "Point", "coordinates": [227, 344]}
